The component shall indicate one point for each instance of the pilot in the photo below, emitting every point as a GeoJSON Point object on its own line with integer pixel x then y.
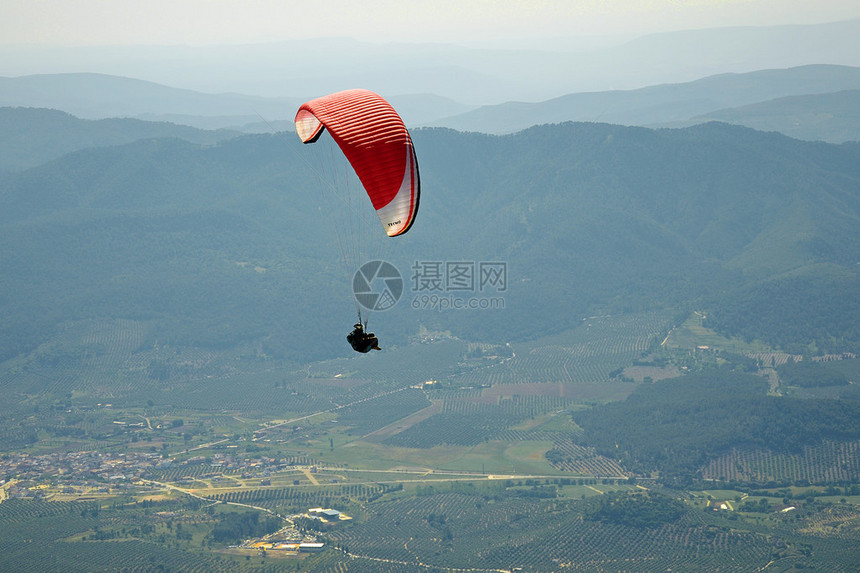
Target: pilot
{"type": "Point", "coordinates": [362, 341]}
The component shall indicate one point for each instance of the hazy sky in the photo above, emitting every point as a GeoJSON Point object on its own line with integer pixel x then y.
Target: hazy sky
{"type": "Point", "coordinates": [200, 22]}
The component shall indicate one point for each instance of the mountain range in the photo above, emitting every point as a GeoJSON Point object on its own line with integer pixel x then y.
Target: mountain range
{"type": "Point", "coordinates": [815, 102]}
{"type": "Point", "coordinates": [538, 70]}
{"type": "Point", "coordinates": [34, 136]}
{"type": "Point", "coordinates": [832, 117]}
{"type": "Point", "coordinates": [219, 243]}
{"type": "Point", "coordinates": [711, 98]}
{"type": "Point", "coordinates": [99, 96]}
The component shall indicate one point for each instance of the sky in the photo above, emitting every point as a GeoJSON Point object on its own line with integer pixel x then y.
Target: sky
{"type": "Point", "coordinates": [208, 22]}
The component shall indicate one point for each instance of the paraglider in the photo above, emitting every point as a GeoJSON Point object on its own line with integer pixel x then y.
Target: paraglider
{"type": "Point", "coordinates": [373, 138]}
{"type": "Point", "coordinates": [362, 341]}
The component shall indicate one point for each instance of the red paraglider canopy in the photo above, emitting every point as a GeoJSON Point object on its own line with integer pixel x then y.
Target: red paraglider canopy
{"type": "Point", "coordinates": [375, 141]}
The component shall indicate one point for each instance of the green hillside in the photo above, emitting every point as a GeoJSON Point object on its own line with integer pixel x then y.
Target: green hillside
{"type": "Point", "coordinates": [831, 117]}
{"type": "Point", "coordinates": [221, 244]}
{"type": "Point", "coordinates": [675, 102]}
{"type": "Point", "coordinates": [31, 137]}
{"type": "Point", "coordinates": [675, 427]}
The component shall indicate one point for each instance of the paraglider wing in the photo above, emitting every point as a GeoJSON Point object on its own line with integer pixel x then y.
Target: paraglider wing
{"type": "Point", "coordinates": [377, 145]}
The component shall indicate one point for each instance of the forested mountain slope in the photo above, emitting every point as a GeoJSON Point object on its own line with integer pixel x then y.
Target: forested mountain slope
{"type": "Point", "coordinates": [667, 103]}
{"type": "Point", "coordinates": [31, 136]}
{"type": "Point", "coordinates": [222, 244]}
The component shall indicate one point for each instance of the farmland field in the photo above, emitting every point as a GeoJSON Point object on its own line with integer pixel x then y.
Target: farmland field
{"type": "Point", "coordinates": [483, 467]}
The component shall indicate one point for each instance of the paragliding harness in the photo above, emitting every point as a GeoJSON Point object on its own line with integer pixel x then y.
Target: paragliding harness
{"type": "Point", "coordinates": [362, 341]}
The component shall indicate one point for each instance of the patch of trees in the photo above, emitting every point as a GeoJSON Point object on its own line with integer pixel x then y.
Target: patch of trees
{"type": "Point", "coordinates": [809, 374]}
{"type": "Point", "coordinates": [539, 492]}
{"type": "Point", "coordinates": [642, 510]}
{"type": "Point", "coordinates": [440, 523]}
{"type": "Point", "coordinates": [799, 315]}
{"type": "Point", "coordinates": [676, 426]}
{"type": "Point", "coordinates": [762, 506]}
{"type": "Point", "coordinates": [234, 527]}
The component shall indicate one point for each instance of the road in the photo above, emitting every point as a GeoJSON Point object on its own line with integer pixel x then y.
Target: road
{"type": "Point", "coordinates": [258, 434]}
{"type": "Point", "coordinates": [334, 409]}
{"type": "Point", "coordinates": [202, 498]}
{"type": "Point", "coordinates": [310, 476]}
{"type": "Point", "coordinates": [204, 446]}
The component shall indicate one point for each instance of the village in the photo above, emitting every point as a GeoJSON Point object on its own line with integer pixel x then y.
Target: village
{"type": "Point", "coordinates": [88, 472]}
